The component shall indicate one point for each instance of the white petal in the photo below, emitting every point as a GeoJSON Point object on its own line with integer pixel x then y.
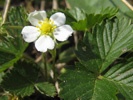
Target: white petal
{"type": "Point", "coordinates": [30, 33]}
{"type": "Point", "coordinates": [36, 16]}
{"type": "Point", "coordinates": [63, 32]}
{"type": "Point", "coordinates": [58, 18]}
{"type": "Point", "coordinates": [43, 43]}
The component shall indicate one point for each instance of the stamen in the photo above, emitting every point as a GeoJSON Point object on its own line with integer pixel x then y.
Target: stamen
{"type": "Point", "coordinates": [46, 27]}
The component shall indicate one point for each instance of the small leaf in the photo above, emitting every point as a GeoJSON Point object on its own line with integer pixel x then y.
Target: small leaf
{"type": "Point", "coordinates": [109, 12]}
{"type": "Point", "coordinates": [92, 19]}
{"type": "Point", "coordinates": [77, 14]}
{"type": "Point", "coordinates": [80, 25]}
{"type": "Point", "coordinates": [46, 88]}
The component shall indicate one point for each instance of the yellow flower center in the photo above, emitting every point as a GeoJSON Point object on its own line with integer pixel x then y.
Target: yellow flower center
{"type": "Point", "coordinates": [46, 27]}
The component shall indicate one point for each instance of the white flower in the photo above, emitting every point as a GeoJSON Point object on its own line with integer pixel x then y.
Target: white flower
{"type": "Point", "coordinates": [44, 30]}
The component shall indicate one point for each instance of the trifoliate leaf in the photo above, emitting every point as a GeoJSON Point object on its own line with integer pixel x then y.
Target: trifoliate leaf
{"type": "Point", "coordinates": [96, 77]}
{"type": "Point", "coordinates": [80, 83]}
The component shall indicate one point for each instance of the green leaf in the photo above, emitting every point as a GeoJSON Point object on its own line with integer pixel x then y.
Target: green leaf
{"type": "Point", "coordinates": [109, 12]}
{"type": "Point", "coordinates": [87, 21]}
{"type": "Point", "coordinates": [20, 81]}
{"type": "Point", "coordinates": [9, 56]}
{"type": "Point", "coordinates": [7, 60]}
{"type": "Point", "coordinates": [81, 84]}
{"type": "Point", "coordinates": [46, 88]}
{"type": "Point", "coordinates": [121, 75]}
{"type": "Point", "coordinates": [12, 45]}
{"type": "Point", "coordinates": [80, 25]}
{"type": "Point", "coordinates": [106, 43]}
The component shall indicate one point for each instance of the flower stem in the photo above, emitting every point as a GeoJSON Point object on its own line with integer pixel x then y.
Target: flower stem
{"type": "Point", "coordinates": [45, 66]}
{"type": "Point", "coordinates": [53, 66]}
